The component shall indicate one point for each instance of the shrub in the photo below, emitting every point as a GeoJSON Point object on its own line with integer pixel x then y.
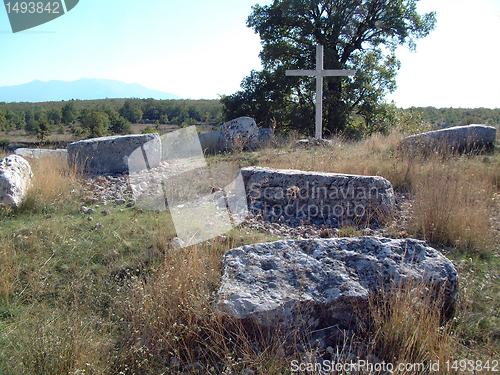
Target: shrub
{"type": "Point", "coordinates": [149, 130]}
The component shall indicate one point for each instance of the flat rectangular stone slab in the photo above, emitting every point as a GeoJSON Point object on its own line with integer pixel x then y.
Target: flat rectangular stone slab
{"type": "Point", "coordinates": [321, 198]}
{"type": "Point", "coordinates": [209, 141]}
{"type": "Point", "coordinates": [110, 154]}
{"type": "Point", "coordinates": [38, 153]}
{"type": "Point", "coordinates": [461, 138]}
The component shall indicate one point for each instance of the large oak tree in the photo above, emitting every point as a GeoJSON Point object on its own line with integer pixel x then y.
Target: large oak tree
{"type": "Point", "coordinates": [357, 34]}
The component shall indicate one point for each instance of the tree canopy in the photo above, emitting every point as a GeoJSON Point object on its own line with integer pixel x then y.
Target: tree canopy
{"type": "Point", "coordinates": [357, 34]}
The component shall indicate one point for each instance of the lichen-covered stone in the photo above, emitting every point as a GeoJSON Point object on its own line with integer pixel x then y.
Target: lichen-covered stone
{"type": "Point", "coordinates": [323, 282]}
{"type": "Point", "coordinates": [238, 134]}
{"type": "Point", "coordinates": [265, 138]}
{"type": "Point", "coordinates": [320, 198]}
{"type": "Point", "coordinates": [111, 154]}
{"type": "Point", "coordinates": [461, 138]}
{"type": "Point", "coordinates": [15, 179]}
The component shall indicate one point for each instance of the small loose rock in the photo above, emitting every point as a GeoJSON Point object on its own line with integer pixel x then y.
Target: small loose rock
{"type": "Point", "coordinates": [89, 199]}
{"type": "Point", "coordinates": [192, 366]}
{"type": "Point", "coordinates": [175, 363]}
{"type": "Point", "coordinates": [177, 243]}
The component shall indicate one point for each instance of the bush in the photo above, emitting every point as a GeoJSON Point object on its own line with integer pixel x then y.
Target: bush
{"type": "Point", "coordinates": [4, 143]}
{"type": "Point", "coordinates": [164, 119]}
{"type": "Point", "coordinates": [31, 126]}
{"type": "Point", "coordinates": [121, 125]}
{"type": "Point", "coordinates": [96, 122]}
{"type": "Point", "coordinates": [149, 130]}
{"type": "Point", "coordinates": [409, 121]}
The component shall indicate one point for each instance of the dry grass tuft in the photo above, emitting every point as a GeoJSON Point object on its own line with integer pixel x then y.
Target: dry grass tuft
{"type": "Point", "coordinates": [239, 347]}
{"type": "Point", "coordinates": [377, 155]}
{"type": "Point", "coordinates": [58, 342]}
{"type": "Point", "coordinates": [452, 204]}
{"type": "Point", "coordinates": [53, 180]}
{"type": "Point", "coordinates": [170, 325]}
{"type": "Point", "coordinates": [165, 315]}
{"type": "Point", "coordinates": [407, 328]}
{"type": "Point", "coordinates": [8, 272]}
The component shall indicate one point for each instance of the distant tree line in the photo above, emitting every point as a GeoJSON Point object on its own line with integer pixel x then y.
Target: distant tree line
{"type": "Point", "coordinates": [444, 117]}
{"type": "Point", "coordinates": [94, 118]}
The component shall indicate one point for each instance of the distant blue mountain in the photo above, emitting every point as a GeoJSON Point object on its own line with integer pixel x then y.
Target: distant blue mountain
{"type": "Point", "coordinates": [83, 89]}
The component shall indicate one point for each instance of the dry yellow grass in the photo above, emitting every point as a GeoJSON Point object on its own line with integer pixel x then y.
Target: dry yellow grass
{"type": "Point", "coordinates": [167, 313]}
{"type": "Point", "coordinates": [452, 204]}
{"type": "Point", "coordinates": [8, 272]}
{"type": "Point", "coordinates": [57, 342]}
{"type": "Point", "coordinates": [53, 180]}
{"type": "Point", "coordinates": [171, 324]}
{"type": "Point", "coordinates": [407, 328]}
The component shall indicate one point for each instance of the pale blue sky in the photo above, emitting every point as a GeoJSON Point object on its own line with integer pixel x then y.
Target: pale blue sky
{"type": "Point", "coordinates": [202, 49]}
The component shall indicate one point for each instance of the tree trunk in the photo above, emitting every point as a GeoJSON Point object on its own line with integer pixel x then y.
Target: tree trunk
{"type": "Point", "coordinates": [335, 108]}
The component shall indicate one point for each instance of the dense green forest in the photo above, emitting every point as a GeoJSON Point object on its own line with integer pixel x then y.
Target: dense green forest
{"type": "Point", "coordinates": [93, 118]}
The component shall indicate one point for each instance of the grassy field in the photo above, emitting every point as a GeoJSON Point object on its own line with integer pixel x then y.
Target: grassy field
{"type": "Point", "coordinates": [76, 299]}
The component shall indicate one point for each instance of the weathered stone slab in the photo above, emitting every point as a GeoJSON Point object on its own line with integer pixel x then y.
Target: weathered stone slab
{"type": "Point", "coordinates": [321, 198]}
{"type": "Point", "coordinates": [461, 138]}
{"type": "Point", "coordinates": [38, 153]}
{"type": "Point", "coordinates": [238, 134]}
{"type": "Point", "coordinates": [209, 141]}
{"type": "Point", "coordinates": [313, 142]}
{"type": "Point", "coordinates": [265, 138]}
{"type": "Point", "coordinates": [110, 154]}
{"type": "Point", "coordinates": [321, 283]}
{"type": "Point", "coordinates": [213, 142]}
{"type": "Point", "coordinates": [15, 179]}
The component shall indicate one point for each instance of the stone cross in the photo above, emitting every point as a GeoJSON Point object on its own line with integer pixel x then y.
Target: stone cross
{"type": "Point", "coordinates": [319, 73]}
